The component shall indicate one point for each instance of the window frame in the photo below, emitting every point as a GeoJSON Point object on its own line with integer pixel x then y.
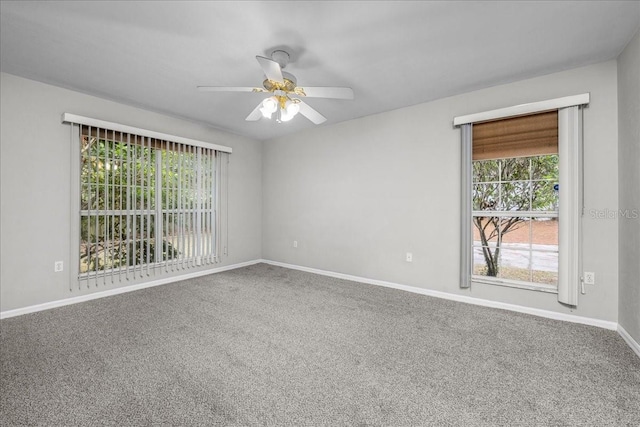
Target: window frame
{"type": "Point", "coordinates": [571, 210]}
{"type": "Point", "coordinates": [531, 215]}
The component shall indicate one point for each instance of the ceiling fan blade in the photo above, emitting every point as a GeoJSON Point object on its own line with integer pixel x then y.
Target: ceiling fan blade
{"type": "Point", "coordinates": [271, 69]}
{"type": "Point", "coordinates": [311, 114]}
{"type": "Point", "coordinates": [327, 92]}
{"type": "Point", "coordinates": [229, 89]}
{"type": "Point", "coordinates": [255, 114]}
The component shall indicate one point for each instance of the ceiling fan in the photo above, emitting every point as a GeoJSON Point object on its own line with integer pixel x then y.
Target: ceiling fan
{"type": "Point", "coordinates": [285, 94]}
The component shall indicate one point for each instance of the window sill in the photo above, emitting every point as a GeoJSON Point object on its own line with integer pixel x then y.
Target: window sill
{"type": "Point", "coordinates": [539, 287]}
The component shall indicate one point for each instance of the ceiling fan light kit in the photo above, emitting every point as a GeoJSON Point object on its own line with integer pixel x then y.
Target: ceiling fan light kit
{"type": "Point", "coordinates": [284, 107]}
{"type": "Point", "coordinates": [285, 93]}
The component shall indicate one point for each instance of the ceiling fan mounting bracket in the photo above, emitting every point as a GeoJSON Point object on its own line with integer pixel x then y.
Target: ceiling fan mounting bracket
{"type": "Point", "coordinates": [281, 57]}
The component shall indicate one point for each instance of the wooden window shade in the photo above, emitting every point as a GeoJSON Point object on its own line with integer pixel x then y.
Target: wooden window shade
{"type": "Point", "coordinates": [531, 135]}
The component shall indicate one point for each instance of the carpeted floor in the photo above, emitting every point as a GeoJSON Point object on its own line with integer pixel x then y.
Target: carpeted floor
{"type": "Point", "coordinates": [265, 345]}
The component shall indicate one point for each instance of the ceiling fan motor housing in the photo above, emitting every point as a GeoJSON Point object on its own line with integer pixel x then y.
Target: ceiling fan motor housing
{"type": "Point", "coordinates": [288, 85]}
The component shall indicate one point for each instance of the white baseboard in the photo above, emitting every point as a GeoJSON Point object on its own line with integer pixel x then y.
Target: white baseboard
{"type": "Point", "coordinates": [438, 294]}
{"type": "Point", "coordinates": [110, 292]}
{"type": "Point", "coordinates": [460, 298]}
{"type": "Point", "coordinates": [629, 339]}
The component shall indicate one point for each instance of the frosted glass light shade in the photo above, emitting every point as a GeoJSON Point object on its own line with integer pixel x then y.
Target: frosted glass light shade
{"type": "Point", "coordinates": [290, 110]}
{"type": "Point", "coordinates": [269, 106]}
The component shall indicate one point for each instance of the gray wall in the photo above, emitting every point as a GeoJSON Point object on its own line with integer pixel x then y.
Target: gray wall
{"type": "Point", "coordinates": [35, 184]}
{"type": "Point", "coordinates": [629, 186]}
{"type": "Point", "coordinates": [358, 195]}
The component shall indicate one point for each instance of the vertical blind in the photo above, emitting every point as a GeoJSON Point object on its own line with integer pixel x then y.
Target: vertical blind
{"type": "Point", "coordinates": [571, 203]}
{"type": "Point", "coordinates": [147, 205]}
{"type": "Point", "coordinates": [466, 248]}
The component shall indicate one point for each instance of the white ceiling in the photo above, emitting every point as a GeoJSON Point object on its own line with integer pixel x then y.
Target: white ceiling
{"type": "Point", "coordinates": [392, 53]}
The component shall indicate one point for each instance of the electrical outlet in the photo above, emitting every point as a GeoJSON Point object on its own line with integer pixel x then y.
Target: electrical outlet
{"type": "Point", "coordinates": [589, 278]}
{"type": "Point", "coordinates": [295, 243]}
{"type": "Point", "coordinates": [58, 266]}
{"type": "Point", "coordinates": [409, 257]}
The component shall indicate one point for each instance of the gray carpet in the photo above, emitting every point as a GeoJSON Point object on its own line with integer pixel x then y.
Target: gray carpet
{"type": "Point", "coordinates": [265, 345]}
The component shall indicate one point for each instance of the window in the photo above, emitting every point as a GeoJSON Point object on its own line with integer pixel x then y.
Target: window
{"type": "Point", "coordinates": [147, 205]}
{"type": "Point", "coordinates": [515, 200]}
{"type": "Point", "coordinates": [521, 188]}
{"type": "Point", "coordinates": [515, 219]}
